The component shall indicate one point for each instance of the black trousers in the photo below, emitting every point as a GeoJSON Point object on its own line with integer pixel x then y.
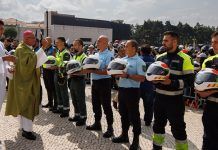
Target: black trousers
{"type": "Point", "coordinates": [48, 77]}
{"type": "Point", "coordinates": [210, 123]}
{"type": "Point", "coordinates": [170, 108]}
{"type": "Point", "coordinates": [101, 96]}
{"type": "Point", "coordinates": [128, 99]}
{"type": "Point", "coordinates": [148, 102]}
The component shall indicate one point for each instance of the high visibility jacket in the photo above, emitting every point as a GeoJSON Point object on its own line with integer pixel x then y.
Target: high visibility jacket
{"type": "Point", "coordinates": [211, 62]}
{"type": "Point", "coordinates": [80, 58]}
{"type": "Point", "coordinates": [62, 57]}
{"type": "Point", "coordinates": [181, 73]}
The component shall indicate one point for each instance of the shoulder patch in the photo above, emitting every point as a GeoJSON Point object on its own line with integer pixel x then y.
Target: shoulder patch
{"type": "Point", "coordinates": [144, 68]}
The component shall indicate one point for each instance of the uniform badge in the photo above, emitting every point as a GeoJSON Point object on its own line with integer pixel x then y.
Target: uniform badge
{"type": "Point", "coordinates": [144, 68]}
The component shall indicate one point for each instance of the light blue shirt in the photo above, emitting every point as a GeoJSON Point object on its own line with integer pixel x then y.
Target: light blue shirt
{"type": "Point", "coordinates": [135, 66]}
{"type": "Point", "coordinates": [105, 57]}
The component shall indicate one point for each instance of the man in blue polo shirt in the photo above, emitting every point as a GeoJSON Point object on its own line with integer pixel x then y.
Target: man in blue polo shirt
{"type": "Point", "coordinates": [129, 94]}
{"type": "Point", "coordinates": [101, 88]}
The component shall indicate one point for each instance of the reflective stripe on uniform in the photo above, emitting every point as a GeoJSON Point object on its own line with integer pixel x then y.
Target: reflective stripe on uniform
{"type": "Point", "coordinates": [181, 145]}
{"type": "Point", "coordinates": [158, 139]}
{"type": "Point", "coordinates": [181, 84]}
{"type": "Point", "coordinates": [184, 72]}
{"type": "Point", "coordinates": [213, 99]}
{"type": "Point", "coordinates": [66, 108]}
{"type": "Point", "coordinates": [171, 93]}
{"type": "Point", "coordinates": [188, 71]}
{"type": "Point", "coordinates": [80, 58]}
{"type": "Point", "coordinates": [176, 72]}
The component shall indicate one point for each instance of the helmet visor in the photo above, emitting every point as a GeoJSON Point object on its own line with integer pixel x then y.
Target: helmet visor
{"type": "Point", "coordinates": [50, 62]}
{"type": "Point", "coordinates": [206, 77]}
{"type": "Point", "coordinates": [156, 70]}
{"type": "Point", "coordinates": [117, 66]}
{"type": "Point", "coordinates": [73, 66]}
{"type": "Point", "coordinates": [90, 61]}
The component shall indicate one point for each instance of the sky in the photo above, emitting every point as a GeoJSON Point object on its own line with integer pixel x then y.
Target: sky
{"type": "Point", "coordinates": [131, 11]}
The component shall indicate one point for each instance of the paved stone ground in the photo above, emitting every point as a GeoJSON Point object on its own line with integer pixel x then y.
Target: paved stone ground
{"type": "Point", "coordinates": [55, 133]}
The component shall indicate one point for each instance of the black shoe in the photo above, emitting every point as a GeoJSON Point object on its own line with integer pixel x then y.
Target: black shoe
{"type": "Point", "coordinates": [109, 133]}
{"type": "Point", "coordinates": [64, 114]}
{"type": "Point", "coordinates": [28, 135]}
{"type": "Point", "coordinates": [95, 127]}
{"type": "Point", "coordinates": [121, 139]}
{"type": "Point", "coordinates": [135, 143]}
{"type": "Point", "coordinates": [74, 119]}
{"type": "Point", "coordinates": [156, 147]}
{"type": "Point", "coordinates": [81, 122]}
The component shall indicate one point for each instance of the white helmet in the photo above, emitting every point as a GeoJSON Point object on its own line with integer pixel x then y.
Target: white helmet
{"type": "Point", "coordinates": [157, 71]}
{"type": "Point", "coordinates": [197, 65]}
{"type": "Point", "coordinates": [206, 79]}
{"type": "Point", "coordinates": [91, 62]}
{"type": "Point", "coordinates": [117, 66]}
{"type": "Point", "coordinates": [73, 66]}
{"type": "Point", "coordinates": [50, 62]}
{"type": "Point", "coordinates": [11, 52]}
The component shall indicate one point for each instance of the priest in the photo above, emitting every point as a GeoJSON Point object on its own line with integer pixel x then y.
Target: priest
{"type": "Point", "coordinates": [24, 89]}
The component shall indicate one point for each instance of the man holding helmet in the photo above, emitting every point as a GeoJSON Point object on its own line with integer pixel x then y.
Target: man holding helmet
{"type": "Point", "coordinates": [101, 88]}
{"type": "Point", "coordinates": [48, 76]}
{"type": "Point", "coordinates": [169, 103]}
{"type": "Point", "coordinates": [129, 94]}
{"type": "Point", "coordinates": [210, 114]}
{"type": "Point", "coordinates": [77, 86]}
{"type": "Point", "coordinates": [60, 78]}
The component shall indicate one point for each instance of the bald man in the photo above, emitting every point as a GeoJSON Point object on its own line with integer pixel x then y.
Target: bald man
{"type": "Point", "coordinates": [48, 77]}
{"type": "Point", "coordinates": [101, 88]}
{"type": "Point", "coordinates": [24, 89]}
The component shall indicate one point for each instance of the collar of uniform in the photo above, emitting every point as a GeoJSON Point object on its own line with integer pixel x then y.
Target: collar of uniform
{"type": "Point", "coordinates": [133, 57]}
{"type": "Point", "coordinates": [79, 54]}
{"type": "Point", "coordinates": [174, 53]}
{"type": "Point", "coordinates": [62, 50]}
{"type": "Point", "coordinates": [105, 51]}
{"type": "Point", "coordinates": [48, 48]}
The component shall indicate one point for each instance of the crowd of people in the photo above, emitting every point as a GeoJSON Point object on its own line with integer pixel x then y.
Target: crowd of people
{"type": "Point", "coordinates": [162, 100]}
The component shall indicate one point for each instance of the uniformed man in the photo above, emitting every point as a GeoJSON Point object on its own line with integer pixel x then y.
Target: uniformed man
{"type": "Point", "coordinates": [129, 94]}
{"type": "Point", "coordinates": [147, 92]}
{"type": "Point", "coordinates": [101, 88]}
{"type": "Point", "coordinates": [77, 87]}
{"type": "Point", "coordinates": [169, 104]}
{"type": "Point", "coordinates": [210, 114]}
{"type": "Point", "coordinates": [60, 78]}
{"type": "Point", "coordinates": [48, 76]}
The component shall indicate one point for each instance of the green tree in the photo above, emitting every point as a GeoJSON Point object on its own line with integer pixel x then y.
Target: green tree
{"type": "Point", "coordinates": [10, 32]}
